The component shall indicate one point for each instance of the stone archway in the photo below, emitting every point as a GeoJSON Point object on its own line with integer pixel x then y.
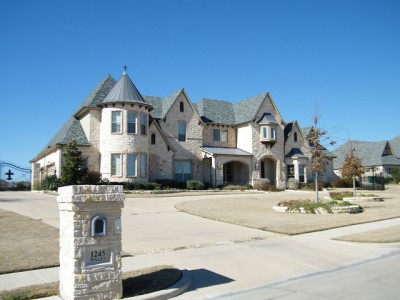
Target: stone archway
{"type": "Point", "coordinates": [268, 169]}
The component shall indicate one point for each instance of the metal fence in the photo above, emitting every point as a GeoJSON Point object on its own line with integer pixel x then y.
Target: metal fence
{"type": "Point", "coordinates": [372, 182]}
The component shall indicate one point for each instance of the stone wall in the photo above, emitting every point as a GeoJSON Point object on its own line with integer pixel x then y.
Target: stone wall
{"type": "Point", "coordinates": [208, 138]}
{"type": "Point", "coordinates": [122, 143]}
{"type": "Point", "coordinates": [188, 150]}
{"type": "Point", "coordinates": [90, 266]}
{"type": "Point", "coordinates": [160, 157]}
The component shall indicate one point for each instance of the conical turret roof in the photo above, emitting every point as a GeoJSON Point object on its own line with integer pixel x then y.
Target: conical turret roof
{"type": "Point", "coordinates": [124, 91]}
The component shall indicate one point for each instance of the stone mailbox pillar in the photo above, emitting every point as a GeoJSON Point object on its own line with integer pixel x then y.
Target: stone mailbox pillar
{"type": "Point", "coordinates": [90, 241]}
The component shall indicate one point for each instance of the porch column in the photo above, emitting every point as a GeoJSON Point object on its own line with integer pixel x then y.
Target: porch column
{"type": "Point", "coordinates": [296, 169]}
{"type": "Point", "coordinates": [214, 171]}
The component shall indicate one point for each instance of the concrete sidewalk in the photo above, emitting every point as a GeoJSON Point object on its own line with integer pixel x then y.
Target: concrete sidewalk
{"type": "Point", "coordinates": [225, 267]}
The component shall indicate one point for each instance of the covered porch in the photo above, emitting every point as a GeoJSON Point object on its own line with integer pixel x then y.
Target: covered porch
{"type": "Point", "coordinates": [225, 166]}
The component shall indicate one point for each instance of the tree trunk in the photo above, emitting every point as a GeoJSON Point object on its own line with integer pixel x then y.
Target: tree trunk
{"type": "Point", "coordinates": [316, 187]}
{"type": "Point", "coordinates": [354, 186]}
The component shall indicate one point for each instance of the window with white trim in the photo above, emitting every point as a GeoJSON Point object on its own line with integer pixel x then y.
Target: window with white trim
{"type": "Point", "coordinates": [267, 133]}
{"type": "Point", "coordinates": [116, 164]}
{"type": "Point", "coordinates": [131, 168]}
{"type": "Point", "coordinates": [132, 120]}
{"type": "Point", "coordinates": [116, 120]}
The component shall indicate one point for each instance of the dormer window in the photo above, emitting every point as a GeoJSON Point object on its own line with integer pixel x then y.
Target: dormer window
{"type": "Point", "coordinates": [267, 133]}
{"type": "Point", "coordinates": [268, 127]}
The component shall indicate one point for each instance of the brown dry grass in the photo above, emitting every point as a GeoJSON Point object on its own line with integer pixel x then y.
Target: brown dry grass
{"type": "Point", "coordinates": [255, 211]}
{"type": "Point", "coordinates": [382, 235]}
{"type": "Point", "coordinates": [134, 283]}
{"type": "Point", "coordinates": [26, 244]}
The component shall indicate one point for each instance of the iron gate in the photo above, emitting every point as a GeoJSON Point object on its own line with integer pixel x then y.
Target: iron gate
{"type": "Point", "coordinates": [13, 176]}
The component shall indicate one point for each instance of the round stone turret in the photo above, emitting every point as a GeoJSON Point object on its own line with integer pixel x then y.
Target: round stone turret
{"type": "Point", "coordinates": [124, 141]}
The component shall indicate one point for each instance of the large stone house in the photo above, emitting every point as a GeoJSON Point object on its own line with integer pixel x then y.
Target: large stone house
{"type": "Point", "coordinates": [377, 158]}
{"type": "Point", "coordinates": [127, 137]}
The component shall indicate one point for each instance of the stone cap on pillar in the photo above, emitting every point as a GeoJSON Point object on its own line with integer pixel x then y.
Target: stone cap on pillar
{"type": "Point", "coordinates": [90, 193]}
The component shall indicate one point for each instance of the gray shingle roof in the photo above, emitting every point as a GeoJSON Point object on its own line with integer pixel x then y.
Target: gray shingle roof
{"type": "Point", "coordinates": [266, 119]}
{"type": "Point", "coordinates": [371, 154]}
{"type": "Point", "coordinates": [306, 130]}
{"type": "Point", "coordinates": [98, 94]}
{"type": "Point", "coordinates": [168, 101]}
{"type": "Point", "coordinates": [71, 130]}
{"type": "Point", "coordinates": [395, 144]}
{"type": "Point", "coordinates": [224, 112]}
{"type": "Point", "coordinates": [216, 111]}
{"type": "Point", "coordinates": [246, 110]}
{"type": "Point", "coordinates": [156, 103]}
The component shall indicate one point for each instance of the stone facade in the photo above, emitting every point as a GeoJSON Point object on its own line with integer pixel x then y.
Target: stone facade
{"type": "Point", "coordinates": [90, 264]}
{"type": "Point", "coordinates": [177, 133]}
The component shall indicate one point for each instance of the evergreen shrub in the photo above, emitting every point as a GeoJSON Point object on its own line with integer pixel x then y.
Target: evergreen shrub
{"type": "Point", "coordinates": [50, 183]}
{"type": "Point", "coordinates": [195, 185]}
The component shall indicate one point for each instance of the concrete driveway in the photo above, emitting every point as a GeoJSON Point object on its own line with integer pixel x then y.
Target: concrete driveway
{"type": "Point", "coordinates": [223, 259]}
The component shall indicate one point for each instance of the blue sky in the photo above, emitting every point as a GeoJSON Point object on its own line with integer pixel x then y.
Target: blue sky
{"type": "Point", "coordinates": [343, 56]}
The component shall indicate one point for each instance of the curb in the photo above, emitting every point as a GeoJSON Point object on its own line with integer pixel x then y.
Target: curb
{"type": "Point", "coordinates": [178, 288]}
{"type": "Point", "coordinates": [174, 290]}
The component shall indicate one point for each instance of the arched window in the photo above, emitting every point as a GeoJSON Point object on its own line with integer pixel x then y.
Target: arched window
{"type": "Point", "coordinates": [181, 107]}
{"type": "Point", "coordinates": [295, 136]}
{"type": "Point", "coordinates": [153, 138]}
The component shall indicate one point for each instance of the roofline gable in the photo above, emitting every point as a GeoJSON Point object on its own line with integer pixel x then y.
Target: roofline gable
{"type": "Point", "coordinates": [275, 107]}
{"type": "Point", "coordinates": [194, 109]}
{"type": "Point", "coordinates": [296, 124]}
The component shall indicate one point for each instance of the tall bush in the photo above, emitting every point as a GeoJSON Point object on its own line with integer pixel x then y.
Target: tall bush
{"type": "Point", "coordinates": [72, 170]}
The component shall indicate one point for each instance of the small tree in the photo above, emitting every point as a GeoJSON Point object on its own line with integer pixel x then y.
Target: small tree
{"type": "Point", "coordinates": [352, 167]}
{"type": "Point", "coordinates": [72, 170]}
{"type": "Point", "coordinates": [318, 153]}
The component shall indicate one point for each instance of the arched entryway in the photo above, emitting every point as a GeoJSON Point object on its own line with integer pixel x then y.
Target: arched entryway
{"type": "Point", "coordinates": [268, 169]}
{"type": "Point", "coordinates": [235, 172]}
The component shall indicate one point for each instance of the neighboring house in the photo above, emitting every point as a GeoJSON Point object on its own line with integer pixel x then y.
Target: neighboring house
{"type": "Point", "coordinates": [126, 136]}
{"type": "Point", "coordinates": [377, 158]}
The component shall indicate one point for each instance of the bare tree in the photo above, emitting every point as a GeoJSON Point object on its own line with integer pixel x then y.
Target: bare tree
{"type": "Point", "coordinates": [352, 167]}
{"type": "Point", "coordinates": [318, 153]}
